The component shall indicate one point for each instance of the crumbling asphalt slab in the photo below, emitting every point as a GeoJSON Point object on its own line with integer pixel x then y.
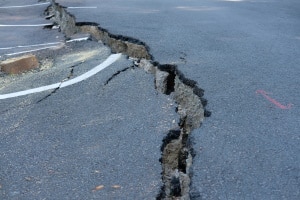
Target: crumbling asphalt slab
{"type": "Point", "coordinates": [245, 54]}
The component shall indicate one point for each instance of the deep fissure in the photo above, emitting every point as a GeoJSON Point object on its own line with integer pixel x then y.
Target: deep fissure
{"type": "Point", "coordinates": [176, 149]}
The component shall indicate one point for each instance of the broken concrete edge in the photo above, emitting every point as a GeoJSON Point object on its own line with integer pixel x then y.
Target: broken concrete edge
{"type": "Point", "coordinates": [118, 43]}
{"type": "Point", "coordinates": [68, 24]}
{"type": "Point", "coordinates": [20, 64]}
{"type": "Point", "coordinates": [177, 152]}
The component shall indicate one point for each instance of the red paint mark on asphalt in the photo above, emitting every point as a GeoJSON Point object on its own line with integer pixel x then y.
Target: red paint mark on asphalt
{"type": "Point", "coordinates": [276, 103]}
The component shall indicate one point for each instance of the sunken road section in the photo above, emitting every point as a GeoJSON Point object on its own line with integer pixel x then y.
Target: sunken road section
{"type": "Point", "coordinates": [176, 149]}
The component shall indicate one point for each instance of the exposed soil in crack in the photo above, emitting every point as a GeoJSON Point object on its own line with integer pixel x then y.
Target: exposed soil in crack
{"type": "Point", "coordinates": [177, 152]}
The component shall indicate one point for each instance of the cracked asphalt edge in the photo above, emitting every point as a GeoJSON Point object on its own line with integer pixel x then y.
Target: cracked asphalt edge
{"type": "Point", "coordinates": [176, 149]}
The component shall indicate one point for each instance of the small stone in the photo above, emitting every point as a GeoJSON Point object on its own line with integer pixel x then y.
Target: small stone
{"type": "Point", "coordinates": [19, 64]}
{"type": "Point", "coordinates": [97, 188]}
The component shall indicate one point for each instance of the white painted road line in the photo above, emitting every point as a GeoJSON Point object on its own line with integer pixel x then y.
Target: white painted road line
{"type": "Point", "coordinates": [24, 25]}
{"type": "Point", "coordinates": [17, 53]}
{"type": "Point", "coordinates": [78, 39]}
{"type": "Point", "coordinates": [32, 45]}
{"type": "Point", "coordinates": [91, 7]}
{"type": "Point", "coordinates": [24, 6]}
{"type": "Point", "coordinates": [110, 60]}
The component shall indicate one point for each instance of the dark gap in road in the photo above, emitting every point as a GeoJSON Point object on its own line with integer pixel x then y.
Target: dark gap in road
{"type": "Point", "coordinates": [48, 95]}
{"type": "Point", "coordinates": [176, 149]}
{"type": "Point", "coordinates": [118, 43]}
{"type": "Point", "coordinates": [52, 26]}
{"type": "Point", "coordinates": [117, 73]}
{"type": "Point", "coordinates": [170, 84]}
{"type": "Point", "coordinates": [175, 187]}
{"type": "Point", "coordinates": [71, 73]}
{"type": "Point", "coordinates": [56, 89]}
{"type": "Point", "coordinates": [118, 37]}
{"type": "Point", "coordinates": [172, 135]}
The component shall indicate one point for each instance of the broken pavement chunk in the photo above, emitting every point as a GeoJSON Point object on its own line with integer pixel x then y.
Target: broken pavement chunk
{"type": "Point", "coordinates": [19, 64]}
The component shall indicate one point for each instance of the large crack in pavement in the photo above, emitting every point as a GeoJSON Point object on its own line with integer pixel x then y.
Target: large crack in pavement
{"type": "Point", "coordinates": [176, 149]}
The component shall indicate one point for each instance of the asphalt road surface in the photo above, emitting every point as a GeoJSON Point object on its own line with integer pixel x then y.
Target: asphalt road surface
{"type": "Point", "coordinates": [97, 138]}
{"type": "Point", "coordinates": [245, 54]}
{"type": "Point", "coordinates": [21, 26]}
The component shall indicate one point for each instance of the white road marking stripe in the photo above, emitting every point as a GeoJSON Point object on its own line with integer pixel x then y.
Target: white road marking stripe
{"type": "Point", "coordinates": [23, 25]}
{"type": "Point", "coordinates": [78, 39]}
{"type": "Point", "coordinates": [91, 7]}
{"type": "Point", "coordinates": [24, 6]}
{"type": "Point", "coordinates": [17, 53]}
{"type": "Point", "coordinates": [32, 45]}
{"type": "Point", "coordinates": [110, 60]}
{"type": "Point", "coordinates": [31, 91]}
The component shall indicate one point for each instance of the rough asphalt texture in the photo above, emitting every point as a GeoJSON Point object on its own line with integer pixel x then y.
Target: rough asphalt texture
{"type": "Point", "coordinates": [22, 36]}
{"type": "Point", "coordinates": [98, 139]}
{"type": "Point", "coordinates": [87, 135]}
{"type": "Point", "coordinates": [82, 144]}
{"type": "Point", "coordinates": [249, 148]}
